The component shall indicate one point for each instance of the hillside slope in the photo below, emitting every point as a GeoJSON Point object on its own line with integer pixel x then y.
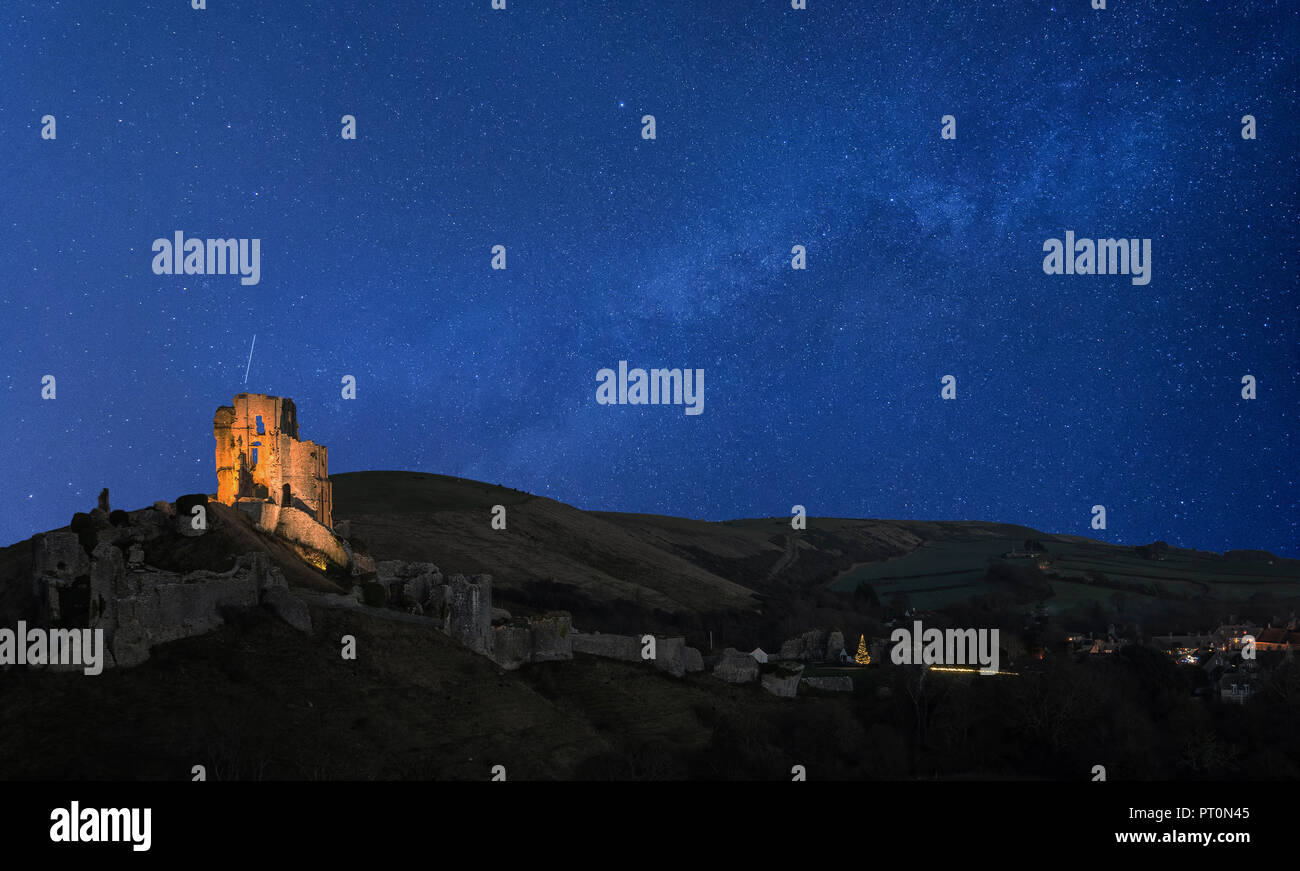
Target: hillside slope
{"type": "Point", "coordinates": [602, 564]}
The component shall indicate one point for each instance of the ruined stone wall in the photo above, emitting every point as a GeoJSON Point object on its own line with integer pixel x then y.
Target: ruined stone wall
{"type": "Point", "coordinates": [784, 682]}
{"type": "Point", "coordinates": [469, 611]}
{"type": "Point", "coordinates": [610, 646]}
{"type": "Point", "coordinates": [671, 653]}
{"type": "Point", "coordinates": [298, 528]}
{"type": "Point", "coordinates": [545, 638]}
{"type": "Point", "coordinates": [137, 605]}
{"type": "Point", "coordinates": [253, 464]}
{"type": "Point", "coordinates": [308, 474]}
{"type": "Point", "coordinates": [415, 584]}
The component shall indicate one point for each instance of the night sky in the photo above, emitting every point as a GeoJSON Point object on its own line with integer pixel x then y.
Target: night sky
{"type": "Point", "coordinates": [775, 128]}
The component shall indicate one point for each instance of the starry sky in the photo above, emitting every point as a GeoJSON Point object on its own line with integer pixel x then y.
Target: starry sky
{"type": "Point", "coordinates": [775, 128]}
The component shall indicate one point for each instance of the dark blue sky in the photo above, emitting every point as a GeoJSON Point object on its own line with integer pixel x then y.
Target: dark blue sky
{"type": "Point", "coordinates": [775, 128]}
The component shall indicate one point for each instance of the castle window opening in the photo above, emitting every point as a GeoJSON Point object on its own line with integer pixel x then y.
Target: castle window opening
{"type": "Point", "coordinates": [261, 428]}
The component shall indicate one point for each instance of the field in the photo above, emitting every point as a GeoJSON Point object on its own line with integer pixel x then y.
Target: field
{"type": "Point", "coordinates": [942, 572]}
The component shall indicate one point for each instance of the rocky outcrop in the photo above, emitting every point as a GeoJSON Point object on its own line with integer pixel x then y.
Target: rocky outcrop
{"type": "Point", "coordinates": [810, 646]}
{"type": "Point", "coordinates": [830, 683]}
{"type": "Point", "coordinates": [815, 645]}
{"type": "Point", "coordinates": [784, 682]}
{"type": "Point", "coordinates": [736, 667]}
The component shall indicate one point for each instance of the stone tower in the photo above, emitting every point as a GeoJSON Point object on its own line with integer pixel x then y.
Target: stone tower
{"type": "Point", "coordinates": [259, 457]}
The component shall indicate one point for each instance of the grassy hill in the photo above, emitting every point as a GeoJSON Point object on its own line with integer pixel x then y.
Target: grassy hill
{"type": "Point", "coordinates": [751, 581]}
{"type": "Point", "coordinates": [258, 700]}
{"type": "Point", "coordinates": [443, 520]}
{"type": "Point", "coordinates": [596, 563]}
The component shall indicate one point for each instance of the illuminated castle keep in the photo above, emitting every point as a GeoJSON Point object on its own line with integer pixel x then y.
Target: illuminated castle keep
{"type": "Point", "coordinates": [262, 467]}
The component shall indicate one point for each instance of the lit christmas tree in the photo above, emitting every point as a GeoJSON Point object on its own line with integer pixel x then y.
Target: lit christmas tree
{"type": "Point", "coordinates": [862, 657]}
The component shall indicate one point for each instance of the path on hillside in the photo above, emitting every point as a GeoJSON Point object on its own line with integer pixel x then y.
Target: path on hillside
{"type": "Point", "coordinates": [787, 559]}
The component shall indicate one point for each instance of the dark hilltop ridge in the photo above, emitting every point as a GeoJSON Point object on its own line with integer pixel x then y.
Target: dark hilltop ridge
{"type": "Point", "coordinates": [674, 570]}
{"type": "Point", "coordinates": [525, 647]}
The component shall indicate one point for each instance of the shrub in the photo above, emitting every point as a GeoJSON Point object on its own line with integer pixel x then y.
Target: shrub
{"type": "Point", "coordinates": [185, 504]}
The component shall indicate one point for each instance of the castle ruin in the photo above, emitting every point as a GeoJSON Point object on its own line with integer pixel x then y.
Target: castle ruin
{"type": "Point", "coordinates": [261, 460]}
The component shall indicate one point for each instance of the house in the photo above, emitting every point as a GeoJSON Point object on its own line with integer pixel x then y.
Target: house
{"type": "Point", "coordinates": [1235, 686]}
{"type": "Point", "coordinates": [1277, 639]}
{"type": "Point", "coordinates": [759, 654]}
{"type": "Point", "coordinates": [1231, 635]}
